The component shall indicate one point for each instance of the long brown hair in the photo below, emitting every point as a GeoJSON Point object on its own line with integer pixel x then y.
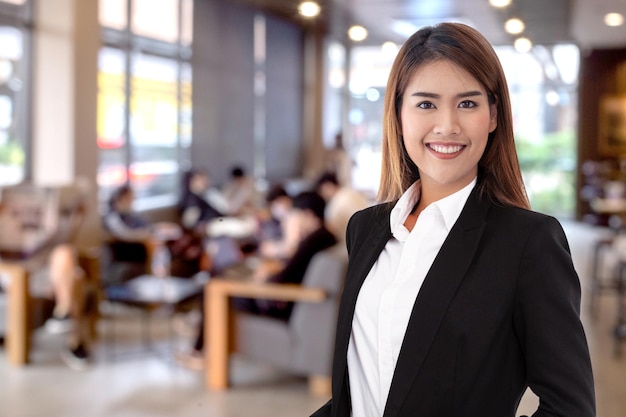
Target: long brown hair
{"type": "Point", "coordinates": [499, 176]}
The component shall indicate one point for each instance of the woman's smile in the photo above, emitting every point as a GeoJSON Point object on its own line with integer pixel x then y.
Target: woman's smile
{"type": "Point", "coordinates": [445, 150]}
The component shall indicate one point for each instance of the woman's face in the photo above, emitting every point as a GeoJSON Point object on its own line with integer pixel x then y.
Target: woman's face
{"type": "Point", "coordinates": [446, 119]}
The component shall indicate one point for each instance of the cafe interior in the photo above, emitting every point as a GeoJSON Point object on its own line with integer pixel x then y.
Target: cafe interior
{"type": "Point", "coordinates": [97, 96]}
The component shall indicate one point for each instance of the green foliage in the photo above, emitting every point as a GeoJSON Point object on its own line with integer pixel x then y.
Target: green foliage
{"type": "Point", "coordinates": [549, 167]}
{"type": "Point", "coordinates": [12, 153]}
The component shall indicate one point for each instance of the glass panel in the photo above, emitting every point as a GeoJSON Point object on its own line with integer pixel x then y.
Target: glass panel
{"type": "Point", "coordinates": [544, 110]}
{"type": "Point", "coordinates": [369, 70]}
{"type": "Point", "coordinates": [185, 116]}
{"type": "Point", "coordinates": [154, 126]}
{"type": "Point", "coordinates": [12, 101]}
{"type": "Point", "coordinates": [186, 36]}
{"type": "Point", "coordinates": [156, 19]}
{"type": "Point", "coordinates": [113, 13]}
{"type": "Point", "coordinates": [111, 121]}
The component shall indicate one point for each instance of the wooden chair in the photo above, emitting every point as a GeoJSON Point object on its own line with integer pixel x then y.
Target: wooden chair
{"type": "Point", "coordinates": [303, 345]}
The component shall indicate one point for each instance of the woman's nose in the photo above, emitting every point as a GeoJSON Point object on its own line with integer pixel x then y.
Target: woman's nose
{"type": "Point", "coordinates": [447, 123]}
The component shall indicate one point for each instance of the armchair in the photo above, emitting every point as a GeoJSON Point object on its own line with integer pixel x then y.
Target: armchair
{"type": "Point", "coordinates": [303, 345]}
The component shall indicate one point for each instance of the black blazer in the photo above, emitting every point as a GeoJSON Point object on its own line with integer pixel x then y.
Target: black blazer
{"type": "Point", "coordinates": [497, 312]}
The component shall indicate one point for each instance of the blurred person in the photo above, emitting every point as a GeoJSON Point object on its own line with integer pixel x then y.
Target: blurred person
{"type": "Point", "coordinates": [285, 235]}
{"type": "Point", "coordinates": [132, 239]}
{"type": "Point", "coordinates": [62, 279]}
{"type": "Point", "coordinates": [129, 239]}
{"type": "Point", "coordinates": [203, 210]}
{"type": "Point", "coordinates": [338, 161]}
{"type": "Point", "coordinates": [308, 210]}
{"type": "Point", "coordinates": [198, 201]}
{"type": "Point", "coordinates": [341, 203]}
{"type": "Point", "coordinates": [241, 193]}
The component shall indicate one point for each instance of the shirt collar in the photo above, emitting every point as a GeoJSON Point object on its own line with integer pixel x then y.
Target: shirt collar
{"type": "Point", "coordinates": [450, 206]}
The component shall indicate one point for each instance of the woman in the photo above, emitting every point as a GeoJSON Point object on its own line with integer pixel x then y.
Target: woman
{"type": "Point", "coordinates": [457, 297]}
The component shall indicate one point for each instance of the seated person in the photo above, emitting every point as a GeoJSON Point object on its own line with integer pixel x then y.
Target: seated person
{"type": "Point", "coordinates": [61, 279]}
{"type": "Point", "coordinates": [241, 193]}
{"type": "Point", "coordinates": [197, 204]}
{"type": "Point", "coordinates": [132, 237]}
{"type": "Point", "coordinates": [203, 210]}
{"type": "Point", "coordinates": [308, 207]}
{"type": "Point", "coordinates": [280, 233]}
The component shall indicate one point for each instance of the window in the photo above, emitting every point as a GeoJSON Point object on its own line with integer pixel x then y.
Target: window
{"type": "Point", "coordinates": [544, 95]}
{"type": "Point", "coordinates": [15, 23]}
{"type": "Point", "coordinates": [144, 99]}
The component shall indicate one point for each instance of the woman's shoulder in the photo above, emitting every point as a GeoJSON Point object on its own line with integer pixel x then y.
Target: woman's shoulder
{"type": "Point", "coordinates": [369, 219]}
{"type": "Point", "coordinates": [524, 219]}
{"type": "Point", "coordinates": [375, 212]}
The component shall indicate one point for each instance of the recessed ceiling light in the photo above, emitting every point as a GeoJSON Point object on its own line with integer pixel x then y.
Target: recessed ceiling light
{"type": "Point", "coordinates": [357, 33]}
{"type": "Point", "coordinates": [309, 9]}
{"type": "Point", "coordinates": [514, 26]}
{"type": "Point", "coordinates": [523, 45]}
{"type": "Point", "coordinates": [390, 48]}
{"type": "Point", "coordinates": [500, 3]}
{"type": "Point", "coordinates": [614, 19]}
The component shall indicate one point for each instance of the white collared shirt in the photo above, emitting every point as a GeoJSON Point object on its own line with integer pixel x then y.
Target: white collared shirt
{"type": "Point", "coordinates": [388, 293]}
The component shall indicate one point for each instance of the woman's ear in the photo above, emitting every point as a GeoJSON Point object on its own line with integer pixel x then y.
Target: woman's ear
{"type": "Point", "coordinates": [493, 117]}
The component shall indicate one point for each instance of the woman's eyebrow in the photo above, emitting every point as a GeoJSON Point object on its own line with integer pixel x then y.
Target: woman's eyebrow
{"type": "Point", "coordinates": [460, 95]}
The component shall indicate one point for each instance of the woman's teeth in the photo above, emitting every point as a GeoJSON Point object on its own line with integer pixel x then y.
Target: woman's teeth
{"type": "Point", "coordinates": [445, 149]}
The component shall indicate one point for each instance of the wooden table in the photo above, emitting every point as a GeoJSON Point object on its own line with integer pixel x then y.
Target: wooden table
{"type": "Point", "coordinates": [218, 323]}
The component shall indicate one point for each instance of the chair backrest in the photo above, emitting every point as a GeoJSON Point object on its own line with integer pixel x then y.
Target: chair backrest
{"type": "Point", "coordinates": [312, 325]}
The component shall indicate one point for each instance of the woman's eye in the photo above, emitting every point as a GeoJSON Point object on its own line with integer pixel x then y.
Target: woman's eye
{"type": "Point", "coordinates": [467, 104]}
{"type": "Point", "coordinates": [427, 105]}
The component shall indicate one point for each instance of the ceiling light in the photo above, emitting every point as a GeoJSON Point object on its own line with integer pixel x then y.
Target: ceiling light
{"type": "Point", "coordinates": [514, 26]}
{"type": "Point", "coordinates": [390, 48]}
{"type": "Point", "coordinates": [357, 33]}
{"type": "Point", "coordinates": [614, 19]}
{"type": "Point", "coordinates": [500, 3]}
{"type": "Point", "coordinates": [309, 9]}
{"type": "Point", "coordinates": [523, 45]}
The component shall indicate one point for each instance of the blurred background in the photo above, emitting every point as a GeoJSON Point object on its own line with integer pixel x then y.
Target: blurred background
{"type": "Point", "coordinates": [137, 92]}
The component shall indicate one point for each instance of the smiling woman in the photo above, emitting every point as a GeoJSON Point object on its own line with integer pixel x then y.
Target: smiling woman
{"type": "Point", "coordinates": [457, 297]}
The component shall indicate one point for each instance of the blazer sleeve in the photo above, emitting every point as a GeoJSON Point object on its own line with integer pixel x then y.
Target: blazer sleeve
{"type": "Point", "coordinates": [547, 323]}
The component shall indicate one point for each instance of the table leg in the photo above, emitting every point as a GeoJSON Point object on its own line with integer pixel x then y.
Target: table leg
{"type": "Point", "coordinates": [18, 326]}
{"type": "Point", "coordinates": [216, 338]}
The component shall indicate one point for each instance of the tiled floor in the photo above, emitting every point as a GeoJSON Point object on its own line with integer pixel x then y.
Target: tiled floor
{"type": "Point", "coordinates": [145, 384]}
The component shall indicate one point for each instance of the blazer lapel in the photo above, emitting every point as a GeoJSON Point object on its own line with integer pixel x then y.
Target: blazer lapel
{"type": "Point", "coordinates": [433, 299]}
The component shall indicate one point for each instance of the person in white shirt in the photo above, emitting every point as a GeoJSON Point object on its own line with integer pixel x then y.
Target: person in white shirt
{"type": "Point", "coordinates": [241, 193]}
{"type": "Point", "coordinates": [457, 296]}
